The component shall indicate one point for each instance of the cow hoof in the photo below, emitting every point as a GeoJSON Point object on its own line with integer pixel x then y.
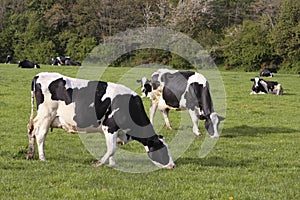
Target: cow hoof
{"type": "Point", "coordinates": [43, 159]}
{"type": "Point", "coordinates": [169, 128]}
{"type": "Point", "coordinates": [29, 156]}
{"type": "Point", "coordinates": [98, 163]}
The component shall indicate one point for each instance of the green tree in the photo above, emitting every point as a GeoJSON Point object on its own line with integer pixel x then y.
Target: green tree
{"type": "Point", "coordinates": [286, 34]}
{"type": "Point", "coordinates": [247, 46]}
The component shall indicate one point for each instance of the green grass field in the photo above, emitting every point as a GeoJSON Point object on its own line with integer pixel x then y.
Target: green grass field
{"type": "Point", "coordinates": [256, 157]}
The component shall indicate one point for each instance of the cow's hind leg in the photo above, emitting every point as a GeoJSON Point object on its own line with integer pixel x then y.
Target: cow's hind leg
{"type": "Point", "coordinates": [40, 129]}
{"type": "Point", "coordinates": [166, 118]}
{"type": "Point", "coordinates": [40, 139]}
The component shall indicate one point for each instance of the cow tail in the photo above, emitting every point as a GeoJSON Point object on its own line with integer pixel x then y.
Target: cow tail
{"type": "Point", "coordinates": [30, 124]}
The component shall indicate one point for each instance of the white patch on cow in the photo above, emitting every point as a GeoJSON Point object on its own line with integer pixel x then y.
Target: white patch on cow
{"type": "Point", "coordinates": [113, 90]}
{"type": "Point", "coordinates": [113, 112]}
{"type": "Point", "coordinates": [256, 80]}
{"type": "Point", "coordinates": [146, 148]}
{"type": "Point", "coordinates": [197, 78]}
{"type": "Point", "coordinates": [278, 90]}
{"type": "Point", "coordinates": [92, 105]}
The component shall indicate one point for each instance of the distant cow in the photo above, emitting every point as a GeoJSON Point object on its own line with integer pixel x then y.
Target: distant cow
{"type": "Point", "coordinates": [178, 90]}
{"type": "Point", "coordinates": [28, 64]}
{"type": "Point", "coordinates": [81, 106]}
{"type": "Point", "coordinates": [64, 60]}
{"type": "Point", "coordinates": [268, 72]}
{"type": "Point", "coordinates": [261, 86]}
{"type": "Point", "coordinates": [8, 59]}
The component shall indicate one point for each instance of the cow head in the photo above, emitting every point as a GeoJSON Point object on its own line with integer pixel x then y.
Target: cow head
{"type": "Point", "coordinates": [159, 153]}
{"type": "Point", "coordinates": [146, 87]}
{"type": "Point", "coordinates": [212, 122]}
{"type": "Point", "coordinates": [259, 85]}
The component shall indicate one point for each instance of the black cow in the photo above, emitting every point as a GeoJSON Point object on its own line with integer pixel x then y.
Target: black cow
{"type": "Point", "coordinates": [28, 64]}
{"type": "Point", "coordinates": [261, 86]}
{"type": "Point", "coordinates": [268, 72]}
{"type": "Point", "coordinates": [81, 106]}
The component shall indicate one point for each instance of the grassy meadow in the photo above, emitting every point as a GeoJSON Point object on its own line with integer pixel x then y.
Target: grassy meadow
{"type": "Point", "coordinates": [256, 157]}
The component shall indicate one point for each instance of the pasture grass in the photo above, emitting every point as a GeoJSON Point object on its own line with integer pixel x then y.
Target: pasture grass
{"type": "Point", "coordinates": [256, 157]}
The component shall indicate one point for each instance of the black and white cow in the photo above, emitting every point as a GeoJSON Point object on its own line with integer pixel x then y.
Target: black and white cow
{"type": "Point", "coordinates": [8, 59]}
{"type": "Point", "coordinates": [261, 86]}
{"type": "Point", "coordinates": [64, 60]}
{"type": "Point", "coordinates": [268, 72]}
{"type": "Point", "coordinates": [178, 90]}
{"type": "Point", "coordinates": [82, 106]}
{"type": "Point", "coordinates": [28, 64]}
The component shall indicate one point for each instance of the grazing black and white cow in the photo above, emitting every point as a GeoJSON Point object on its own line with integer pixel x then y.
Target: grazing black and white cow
{"type": "Point", "coordinates": [268, 72]}
{"type": "Point", "coordinates": [28, 64]}
{"type": "Point", "coordinates": [178, 90]}
{"type": "Point", "coordinates": [82, 106]}
{"type": "Point", "coordinates": [8, 59]}
{"type": "Point", "coordinates": [261, 86]}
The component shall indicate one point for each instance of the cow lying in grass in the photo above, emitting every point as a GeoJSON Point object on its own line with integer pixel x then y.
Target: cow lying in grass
{"type": "Point", "coordinates": [261, 86]}
{"type": "Point", "coordinates": [80, 106]}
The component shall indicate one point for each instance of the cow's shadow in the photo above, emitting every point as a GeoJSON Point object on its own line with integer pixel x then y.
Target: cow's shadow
{"type": "Point", "coordinates": [245, 130]}
{"type": "Point", "coordinates": [214, 161]}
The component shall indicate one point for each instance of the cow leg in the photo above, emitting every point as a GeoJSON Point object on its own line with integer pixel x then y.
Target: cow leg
{"type": "Point", "coordinates": [166, 118]}
{"type": "Point", "coordinates": [195, 119]}
{"type": "Point", "coordinates": [111, 145]}
{"type": "Point", "coordinates": [41, 126]}
{"type": "Point", "coordinates": [40, 139]}
{"type": "Point", "coordinates": [152, 112]}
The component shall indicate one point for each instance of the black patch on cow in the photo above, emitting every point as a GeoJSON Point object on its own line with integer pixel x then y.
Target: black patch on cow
{"type": "Point", "coordinates": [89, 107]}
{"type": "Point", "coordinates": [129, 114]}
{"type": "Point", "coordinates": [199, 96]}
{"type": "Point", "coordinates": [59, 92]}
{"type": "Point", "coordinates": [148, 88]}
{"type": "Point", "coordinates": [37, 89]}
{"type": "Point", "coordinates": [153, 142]}
{"type": "Point", "coordinates": [271, 85]}
{"type": "Point", "coordinates": [154, 81]}
{"type": "Point", "coordinates": [175, 86]}
{"type": "Point", "coordinates": [110, 122]}
{"type": "Point", "coordinates": [137, 111]}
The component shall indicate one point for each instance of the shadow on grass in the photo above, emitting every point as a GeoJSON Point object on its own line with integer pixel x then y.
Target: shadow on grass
{"type": "Point", "coordinates": [214, 161]}
{"type": "Point", "coordinates": [246, 130]}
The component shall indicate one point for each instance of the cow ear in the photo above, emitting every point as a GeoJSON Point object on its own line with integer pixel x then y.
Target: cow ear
{"type": "Point", "coordinates": [252, 79]}
{"type": "Point", "coordinates": [139, 81]}
{"type": "Point", "coordinates": [161, 137]}
{"type": "Point", "coordinates": [221, 118]}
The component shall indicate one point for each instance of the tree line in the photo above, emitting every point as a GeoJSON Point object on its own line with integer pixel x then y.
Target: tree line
{"type": "Point", "coordinates": [248, 34]}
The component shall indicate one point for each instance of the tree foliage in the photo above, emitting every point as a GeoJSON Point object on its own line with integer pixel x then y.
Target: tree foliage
{"type": "Point", "coordinates": [239, 33]}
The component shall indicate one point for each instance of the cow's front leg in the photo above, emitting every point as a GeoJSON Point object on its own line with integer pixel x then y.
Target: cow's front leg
{"type": "Point", "coordinates": [195, 120]}
{"type": "Point", "coordinates": [111, 145]}
{"type": "Point", "coordinates": [165, 113]}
